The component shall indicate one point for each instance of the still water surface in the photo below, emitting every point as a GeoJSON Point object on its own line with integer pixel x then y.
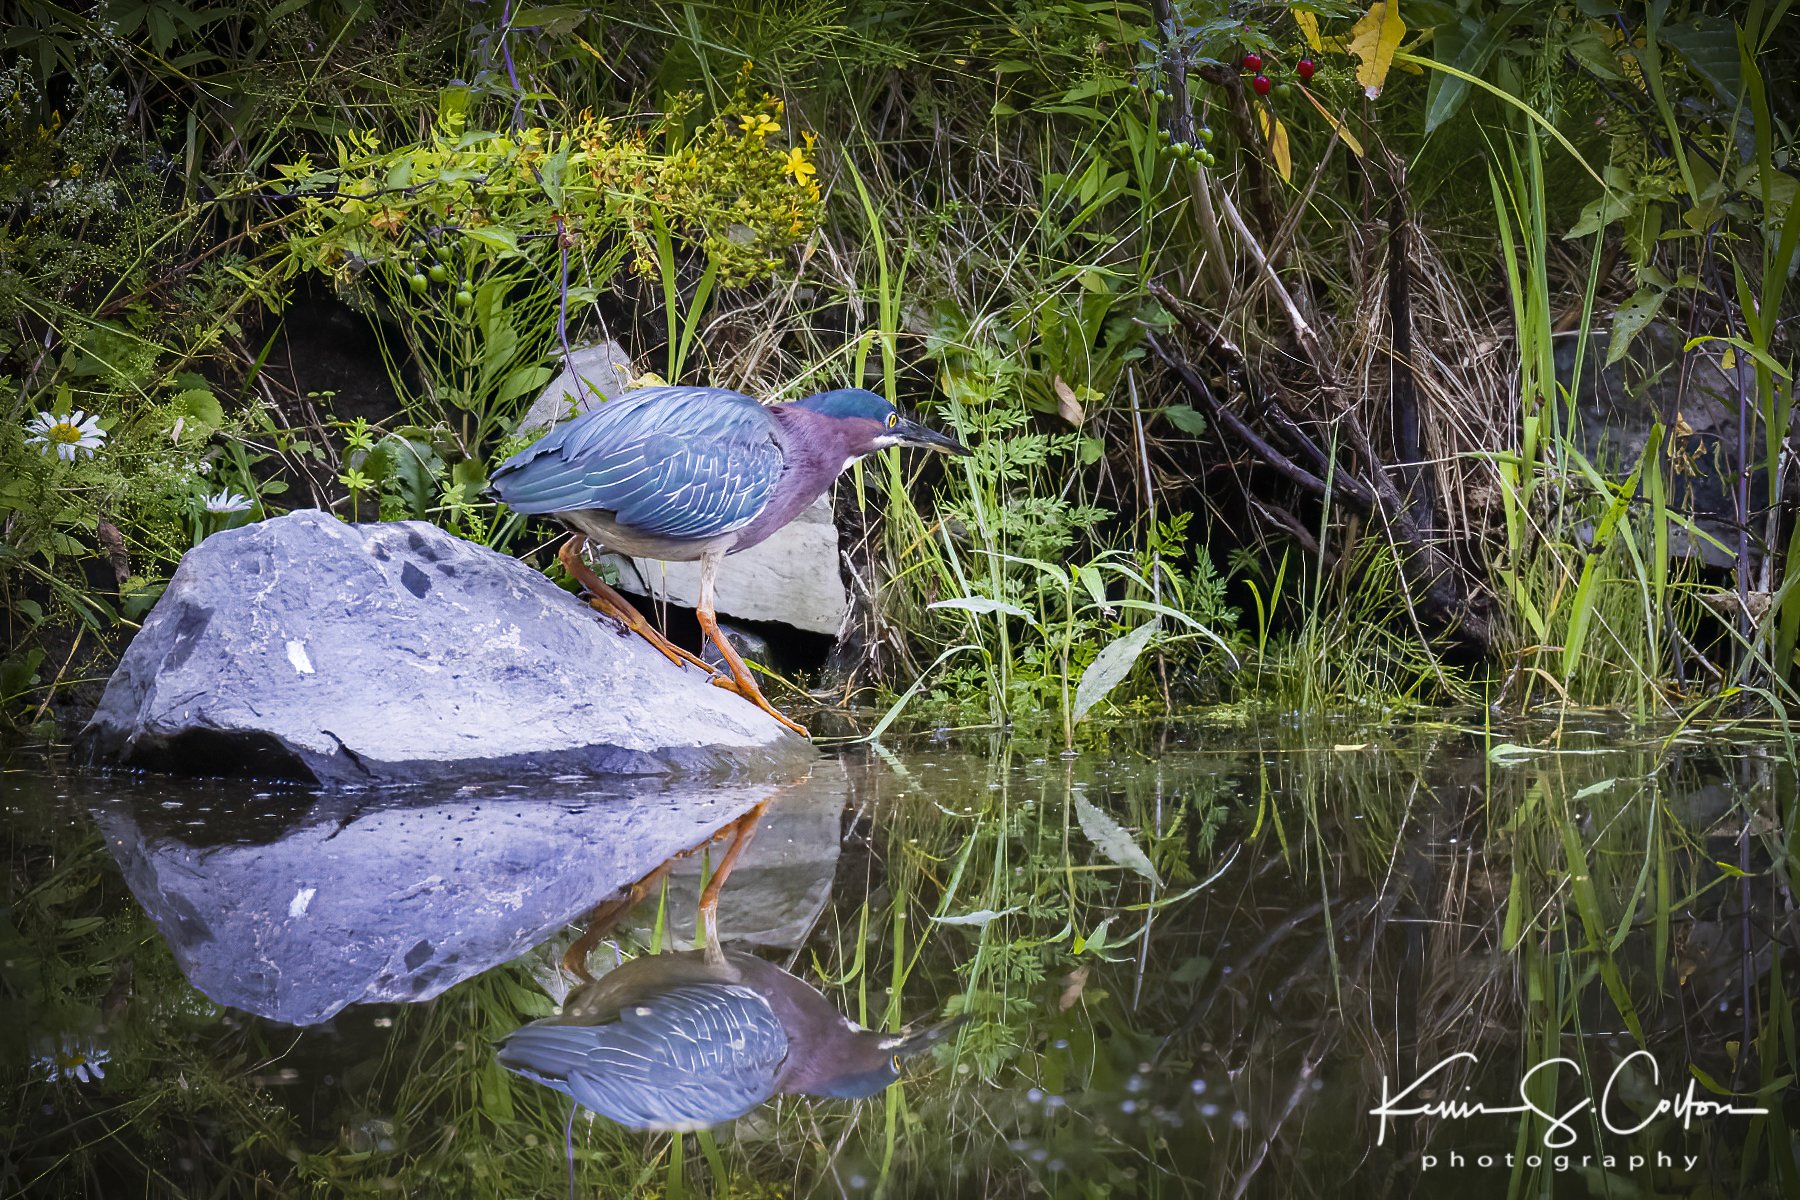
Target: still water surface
{"type": "Point", "coordinates": [1192, 958]}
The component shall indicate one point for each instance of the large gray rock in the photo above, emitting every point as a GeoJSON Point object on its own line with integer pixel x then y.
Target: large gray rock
{"type": "Point", "coordinates": [306, 648]}
{"type": "Point", "coordinates": [393, 897]}
{"type": "Point", "coordinates": [792, 578]}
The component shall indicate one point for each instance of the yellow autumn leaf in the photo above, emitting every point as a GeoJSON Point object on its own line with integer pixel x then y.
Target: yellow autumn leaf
{"type": "Point", "coordinates": [1373, 39]}
{"type": "Point", "coordinates": [1343, 132]}
{"type": "Point", "coordinates": [1625, 54]}
{"type": "Point", "coordinates": [1309, 28]}
{"type": "Point", "coordinates": [1276, 134]}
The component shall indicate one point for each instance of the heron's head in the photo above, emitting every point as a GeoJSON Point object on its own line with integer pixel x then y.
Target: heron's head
{"type": "Point", "coordinates": [872, 1060]}
{"type": "Point", "coordinates": [869, 423]}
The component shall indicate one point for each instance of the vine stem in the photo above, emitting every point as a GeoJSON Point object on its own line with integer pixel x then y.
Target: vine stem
{"type": "Point", "coordinates": [512, 72]}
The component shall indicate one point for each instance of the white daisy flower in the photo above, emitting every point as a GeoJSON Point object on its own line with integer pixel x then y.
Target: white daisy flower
{"type": "Point", "coordinates": [229, 502]}
{"type": "Point", "coordinates": [81, 1061]}
{"type": "Point", "coordinates": [65, 436]}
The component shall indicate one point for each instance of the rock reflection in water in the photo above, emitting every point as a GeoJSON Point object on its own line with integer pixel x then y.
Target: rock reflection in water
{"type": "Point", "coordinates": [356, 899]}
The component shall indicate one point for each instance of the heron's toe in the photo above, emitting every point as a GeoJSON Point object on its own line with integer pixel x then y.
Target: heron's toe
{"type": "Point", "coordinates": [755, 697]}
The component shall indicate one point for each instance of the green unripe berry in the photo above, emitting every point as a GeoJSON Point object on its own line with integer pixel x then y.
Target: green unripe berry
{"type": "Point", "coordinates": [1204, 134]}
{"type": "Point", "coordinates": [439, 273]}
{"type": "Point", "coordinates": [464, 297]}
{"type": "Point", "coordinates": [418, 283]}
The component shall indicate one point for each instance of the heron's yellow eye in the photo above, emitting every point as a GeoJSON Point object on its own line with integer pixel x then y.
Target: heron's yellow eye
{"type": "Point", "coordinates": [893, 420]}
{"type": "Point", "coordinates": [896, 1064]}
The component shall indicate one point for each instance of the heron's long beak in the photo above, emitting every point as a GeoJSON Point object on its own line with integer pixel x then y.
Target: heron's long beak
{"type": "Point", "coordinates": [911, 433]}
{"type": "Point", "coordinates": [907, 1045]}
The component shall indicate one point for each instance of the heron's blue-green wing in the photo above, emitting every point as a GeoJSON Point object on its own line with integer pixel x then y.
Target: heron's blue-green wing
{"type": "Point", "coordinates": [675, 462]}
{"type": "Point", "coordinates": [685, 1058]}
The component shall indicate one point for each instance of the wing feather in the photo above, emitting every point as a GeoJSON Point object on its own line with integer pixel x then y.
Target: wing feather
{"type": "Point", "coordinates": [685, 1058]}
{"type": "Point", "coordinates": [674, 462]}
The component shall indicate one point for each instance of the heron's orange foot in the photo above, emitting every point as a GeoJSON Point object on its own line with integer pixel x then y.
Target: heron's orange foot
{"type": "Point", "coordinates": [604, 919]}
{"type": "Point", "coordinates": [604, 609]}
{"type": "Point", "coordinates": [756, 697]}
{"type": "Point", "coordinates": [645, 630]}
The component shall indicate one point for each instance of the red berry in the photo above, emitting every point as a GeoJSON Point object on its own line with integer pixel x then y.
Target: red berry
{"type": "Point", "coordinates": [1252, 62]}
{"type": "Point", "coordinates": [1305, 68]}
{"type": "Point", "coordinates": [1261, 84]}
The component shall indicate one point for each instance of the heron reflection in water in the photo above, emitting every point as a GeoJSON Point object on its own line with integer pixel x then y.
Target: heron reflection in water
{"type": "Point", "coordinates": [684, 1041]}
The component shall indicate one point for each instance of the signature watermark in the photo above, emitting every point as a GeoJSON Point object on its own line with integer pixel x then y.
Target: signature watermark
{"type": "Point", "coordinates": [1686, 1105]}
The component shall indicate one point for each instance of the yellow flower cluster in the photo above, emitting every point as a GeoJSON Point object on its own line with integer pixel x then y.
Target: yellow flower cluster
{"type": "Point", "coordinates": [750, 200]}
{"type": "Point", "coordinates": [439, 211]}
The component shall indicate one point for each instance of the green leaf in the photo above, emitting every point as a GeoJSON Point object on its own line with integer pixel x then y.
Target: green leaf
{"type": "Point", "coordinates": [453, 104]}
{"type": "Point", "coordinates": [1591, 51]}
{"type": "Point", "coordinates": [1709, 47]}
{"type": "Point", "coordinates": [504, 241]}
{"type": "Point", "coordinates": [408, 467]}
{"type": "Point", "coordinates": [1629, 321]}
{"type": "Point", "coordinates": [1094, 582]}
{"type": "Point", "coordinates": [1508, 753]}
{"type": "Point", "coordinates": [551, 18]}
{"type": "Point", "coordinates": [982, 604]}
{"type": "Point", "coordinates": [1110, 667]}
{"type": "Point", "coordinates": [1466, 46]}
{"type": "Point", "coordinates": [1186, 418]}
{"type": "Point", "coordinates": [1087, 89]}
{"type": "Point", "coordinates": [1598, 215]}
{"type": "Point", "coordinates": [1643, 226]}
{"type": "Point", "coordinates": [1112, 839]}
{"type": "Point", "coordinates": [19, 671]}
{"type": "Point", "coordinates": [521, 381]}
{"type": "Point", "coordinates": [471, 474]}
{"type": "Point", "coordinates": [201, 408]}
{"type": "Point", "coordinates": [1095, 942]}
{"type": "Point", "coordinates": [979, 918]}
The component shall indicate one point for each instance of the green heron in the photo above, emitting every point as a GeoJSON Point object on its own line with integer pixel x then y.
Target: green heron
{"type": "Point", "coordinates": [686, 473]}
{"type": "Point", "coordinates": [679, 1042]}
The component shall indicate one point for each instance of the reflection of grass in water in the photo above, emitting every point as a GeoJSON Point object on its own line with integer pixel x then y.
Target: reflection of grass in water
{"type": "Point", "coordinates": [180, 1110]}
{"type": "Point", "coordinates": [1394, 899]}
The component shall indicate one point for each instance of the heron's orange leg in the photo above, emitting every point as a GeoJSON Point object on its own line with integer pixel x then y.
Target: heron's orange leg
{"type": "Point", "coordinates": [607, 915]}
{"type": "Point", "coordinates": [608, 601]}
{"type": "Point", "coordinates": [741, 681]}
{"type": "Point", "coordinates": [741, 830]}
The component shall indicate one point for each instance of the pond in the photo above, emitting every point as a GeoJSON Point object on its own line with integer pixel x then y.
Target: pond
{"type": "Point", "coordinates": [1229, 956]}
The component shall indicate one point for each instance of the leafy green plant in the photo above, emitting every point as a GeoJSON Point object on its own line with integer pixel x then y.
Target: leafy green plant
{"type": "Point", "coordinates": [482, 243]}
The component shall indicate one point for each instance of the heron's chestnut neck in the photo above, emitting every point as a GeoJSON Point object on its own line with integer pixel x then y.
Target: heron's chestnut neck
{"type": "Point", "coordinates": [815, 450]}
{"type": "Point", "coordinates": [814, 440]}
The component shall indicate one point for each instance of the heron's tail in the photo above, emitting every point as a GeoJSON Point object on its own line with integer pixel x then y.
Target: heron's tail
{"type": "Point", "coordinates": [546, 1053]}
